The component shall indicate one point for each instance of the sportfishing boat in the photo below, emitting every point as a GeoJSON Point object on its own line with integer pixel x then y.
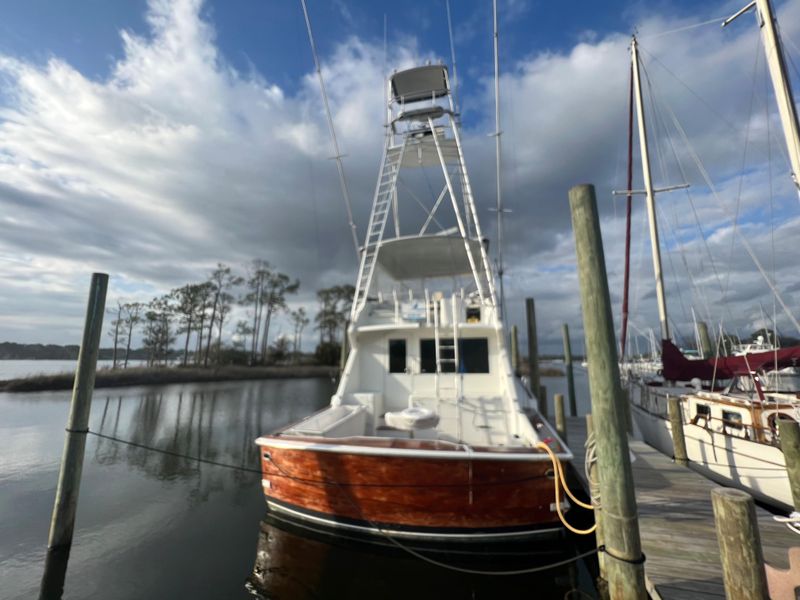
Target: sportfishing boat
{"type": "Point", "coordinates": [429, 434]}
{"type": "Point", "coordinates": [730, 404]}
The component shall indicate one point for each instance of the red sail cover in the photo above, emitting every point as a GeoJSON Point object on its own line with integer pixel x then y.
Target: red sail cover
{"type": "Point", "coordinates": [679, 368]}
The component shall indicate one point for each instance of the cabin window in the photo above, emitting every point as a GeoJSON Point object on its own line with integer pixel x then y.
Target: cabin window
{"type": "Point", "coordinates": [427, 355]}
{"type": "Point", "coordinates": [473, 355]}
{"type": "Point", "coordinates": [473, 314]}
{"type": "Point", "coordinates": [732, 419]}
{"type": "Point", "coordinates": [397, 356]}
{"type": "Point", "coordinates": [703, 410]}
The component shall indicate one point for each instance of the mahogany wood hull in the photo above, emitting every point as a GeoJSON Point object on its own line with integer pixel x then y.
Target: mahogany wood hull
{"type": "Point", "coordinates": [411, 496]}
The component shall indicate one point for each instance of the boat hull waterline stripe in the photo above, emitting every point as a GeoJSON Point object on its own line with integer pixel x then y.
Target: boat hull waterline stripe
{"type": "Point", "coordinates": [394, 531]}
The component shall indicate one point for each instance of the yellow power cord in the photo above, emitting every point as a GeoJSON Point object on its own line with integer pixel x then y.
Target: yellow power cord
{"type": "Point", "coordinates": [561, 481]}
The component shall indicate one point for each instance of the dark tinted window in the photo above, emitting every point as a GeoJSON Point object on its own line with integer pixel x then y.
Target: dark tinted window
{"type": "Point", "coordinates": [473, 355]}
{"type": "Point", "coordinates": [703, 410]}
{"type": "Point", "coordinates": [427, 355]}
{"type": "Point", "coordinates": [397, 356]}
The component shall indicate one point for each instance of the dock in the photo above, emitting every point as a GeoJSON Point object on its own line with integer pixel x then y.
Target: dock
{"type": "Point", "coordinates": [676, 524]}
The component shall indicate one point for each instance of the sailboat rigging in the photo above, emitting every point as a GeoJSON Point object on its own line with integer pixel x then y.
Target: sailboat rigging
{"type": "Point", "coordinates": [732, 433]}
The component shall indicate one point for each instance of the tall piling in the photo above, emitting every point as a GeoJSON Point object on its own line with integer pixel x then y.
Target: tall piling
{"type": "Point", "coordinates": [62, 523]}
{"type": "Point", "coordinates": [543, 400]}
{"type": "Point", "coordinates": [515, 350]}
{"type": "Point", "coordinates": [573, 407]}
{"type": "Point", "coordinates": [739, 545]}
{"type": "Point", "coordinates": [624, 562]}
{"type": "Point", "coordinates": [561, 418]}
{"type": "Point", "coordinates": [706, 349]}
{"type": "Point", "coordinates": [789, 431]}
{"type": "Point", "coordinates": [533, 346]}
{"type": "Point", "coordinates": [676, 424]}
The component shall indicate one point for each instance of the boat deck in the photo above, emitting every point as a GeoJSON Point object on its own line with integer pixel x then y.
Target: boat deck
{"type": "Point", "coordinates": [676, 524]}
{"type": "Point", "coordinates": [474, 421]}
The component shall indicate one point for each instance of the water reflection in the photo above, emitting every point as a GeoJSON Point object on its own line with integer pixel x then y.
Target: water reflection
{"type": "Point", "coordinates": [193, 425]}
{"type": "Point", "coordinates": [295, 563]}
{"type": "Point", "coordinates": [166, 525]}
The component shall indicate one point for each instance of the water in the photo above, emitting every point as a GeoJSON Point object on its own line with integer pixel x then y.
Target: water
{"type": "Point", "coordinates": [10, 369]}
{"type": "Point", "coordinates": [157, 526]}
{"type": "Point", "coordinates": [558, 385]}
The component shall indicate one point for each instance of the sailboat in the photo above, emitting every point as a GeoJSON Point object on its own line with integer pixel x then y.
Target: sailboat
{"type": "Point", "coordinates": [428, 435]}
{"type": "Point", "coordinates": [731, 431]}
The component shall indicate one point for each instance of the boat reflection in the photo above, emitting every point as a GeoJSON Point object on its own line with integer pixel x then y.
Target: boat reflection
{"type": "Point", "coordinates": [294, 562]}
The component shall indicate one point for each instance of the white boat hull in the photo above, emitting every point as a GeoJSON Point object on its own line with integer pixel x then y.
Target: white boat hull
{"type": "Point", "coordinates": [756, 468]}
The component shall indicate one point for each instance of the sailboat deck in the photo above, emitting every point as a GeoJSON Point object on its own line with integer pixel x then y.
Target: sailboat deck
{"type": "Point", "coordinates": [676, 524]}
{"type": "Point", "coordinates": [472, 421]}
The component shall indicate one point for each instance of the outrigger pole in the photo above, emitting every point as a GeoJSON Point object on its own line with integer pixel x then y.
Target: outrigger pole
{"type": "Point", "coordinates": [337, 155]}
{"type": "Point", "coordinates": [497, 133]}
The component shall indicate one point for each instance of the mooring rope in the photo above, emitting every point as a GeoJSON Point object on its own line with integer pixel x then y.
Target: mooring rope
{"type": "Point", "coordinates": [561, 481]}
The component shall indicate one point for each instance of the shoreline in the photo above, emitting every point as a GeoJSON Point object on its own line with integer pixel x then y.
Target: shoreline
{"type": "Point", "coordinates": [135, 376]}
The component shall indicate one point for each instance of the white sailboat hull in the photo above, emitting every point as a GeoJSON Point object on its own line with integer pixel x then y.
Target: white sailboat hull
{"type": "Point", "coordinates": [756, 468]}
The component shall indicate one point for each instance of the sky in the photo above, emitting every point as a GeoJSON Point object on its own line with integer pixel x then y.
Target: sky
{"type": "Point", "coordinates": [153, 139]}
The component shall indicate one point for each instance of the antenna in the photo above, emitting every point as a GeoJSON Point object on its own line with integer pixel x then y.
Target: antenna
{"type": "Point", "coordinates": [497, 134]}
{"type": "Point", "coordinates": [337, 154]}
{"type": "Point", "coordinates": [452, 54]}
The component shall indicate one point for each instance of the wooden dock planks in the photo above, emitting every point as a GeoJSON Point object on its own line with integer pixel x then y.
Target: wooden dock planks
{"type": "Point", "coordinates": [676, 524]}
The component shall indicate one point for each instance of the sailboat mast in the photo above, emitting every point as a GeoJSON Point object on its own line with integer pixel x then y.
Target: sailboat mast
{"type": "Point", "coordinates": [783, 89]}
{"type": "Point", "coordinates": [500, 271]}
{"type": "Point", "coordinates": [650, 194]}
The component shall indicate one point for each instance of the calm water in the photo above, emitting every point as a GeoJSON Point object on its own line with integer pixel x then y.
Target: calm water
{"type": "Point", "coordinates": [9, 369]}
{"type": "Point", "coordinates": [156, 526]}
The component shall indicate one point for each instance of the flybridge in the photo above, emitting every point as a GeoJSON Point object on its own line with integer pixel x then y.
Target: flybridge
{"type": "Point", "coordinates": [423, 132]}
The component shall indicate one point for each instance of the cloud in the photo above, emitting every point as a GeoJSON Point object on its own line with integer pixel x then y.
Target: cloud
{"type": "Point", "coordinates": [176, 161]}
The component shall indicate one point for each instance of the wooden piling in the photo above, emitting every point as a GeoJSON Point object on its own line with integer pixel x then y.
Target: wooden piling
{"type": "Point", "coordinates": [624, 564]}
{"type": "Point", "coordinates": [542, 400]}
{"type": "Point", "coordinates": [676, 423]}
{"type": "Point", "coordinates": [62, 523]}
{"type": "Point", "coordinates": [626, 404]}
{"type": "Point", "coordinates": [573, 407]}
{"type": "Point", "coordinates": [706, 349]}
{"type": "Point", "coordinates": [561, 418]}
{"type": "Point", "coordinates": [515, 350]}
{"type": "Point", "coordinates": [789, 431]}
{"type": "Point", "coordinates": [533, 346]}
{"type": "Point", "coordinates": [594, 492]}
{"type": "Point", "coordinates": [739, 544]}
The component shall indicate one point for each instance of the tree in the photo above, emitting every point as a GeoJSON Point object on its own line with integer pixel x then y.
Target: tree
{"type": "Point", "coordinates": [222, 279]}
{"type": "Point", "coordinates": [187, 299]}
{"type": "Point", "coordinates": [225, 303]}
{"type": "Point", "coordinates": [157, 329]}
{"type": "Point", "coordinates": [243, 329]}
{"type": "Point", "coordinates": [259, 271]}
{"type": "Point", "coordinates": [276, 287]}
{"type": "Point", "coordinates": [335, 305]}
{"type": "Point", "coordinates": [280, 349]}
{"type": "Point", "coordinates": [299, 321]}
{"type": "Point", "coordinates": [132, 319]}
{"type": "Point", "coordinates": [117, 325]}
{"type": "Point", "coordinates": [205, 292]}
